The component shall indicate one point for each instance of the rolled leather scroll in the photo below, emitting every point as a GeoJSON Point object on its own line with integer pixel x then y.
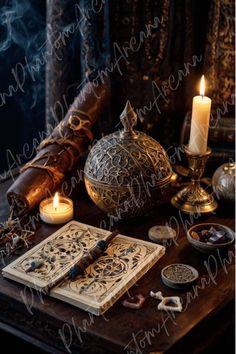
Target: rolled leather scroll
{"type": "Point", "coordinates": [59, 153]}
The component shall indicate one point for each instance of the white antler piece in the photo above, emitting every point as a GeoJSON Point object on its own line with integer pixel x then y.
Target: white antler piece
{"type": "Point", "coordinates": [169, 303]}
{"type": "Point", "coordinates": [157, 295]}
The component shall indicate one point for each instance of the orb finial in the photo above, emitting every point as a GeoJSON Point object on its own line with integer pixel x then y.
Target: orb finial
{"type": "Point", "coordinates": [128, 119]}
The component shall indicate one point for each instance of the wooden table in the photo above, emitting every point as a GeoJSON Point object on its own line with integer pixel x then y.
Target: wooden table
{"type": "Point", "coordinates": [61, 328]}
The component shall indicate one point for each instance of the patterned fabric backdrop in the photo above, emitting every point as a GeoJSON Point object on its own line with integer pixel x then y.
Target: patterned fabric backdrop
{"type": "Point", "coordinates": [220, 52]}
{"type": "Point", "coordinates": [153, 50]}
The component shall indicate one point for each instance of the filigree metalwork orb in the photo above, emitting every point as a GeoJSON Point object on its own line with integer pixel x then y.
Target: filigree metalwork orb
{"type": "Point", "coordinates": [127, 172]}
{"type": "Point", "coordinates": [223, 182]}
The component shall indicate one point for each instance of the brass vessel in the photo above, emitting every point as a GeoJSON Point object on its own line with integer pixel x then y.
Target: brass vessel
{"type": "Point", "coordinates": [127, 172]}
{"type": "Point", "coordinates": [193, 198]}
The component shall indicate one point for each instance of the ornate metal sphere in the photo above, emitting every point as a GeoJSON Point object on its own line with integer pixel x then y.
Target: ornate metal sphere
{"type": "Point", "coordinates": [223, 182]}
{"type": "Point", "coordinates": [127, 172]}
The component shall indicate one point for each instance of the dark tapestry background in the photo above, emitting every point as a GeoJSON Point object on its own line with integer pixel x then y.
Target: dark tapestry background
{"type": "Point", "coordinates": [154, 52]}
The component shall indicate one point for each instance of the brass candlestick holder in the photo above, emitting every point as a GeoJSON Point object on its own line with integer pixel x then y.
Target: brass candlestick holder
{"type": "Point", "coordinates": [193, 198]}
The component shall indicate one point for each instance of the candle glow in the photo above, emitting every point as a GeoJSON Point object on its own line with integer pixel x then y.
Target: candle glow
{"type": "Point", "coordinates": [56, 201]}
{"type": "Point", "coordinates": [202, 86]}
{"type": "Point", "coordinates": [56, 210]}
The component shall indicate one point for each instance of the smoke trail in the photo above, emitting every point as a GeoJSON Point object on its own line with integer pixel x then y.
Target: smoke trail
{"type": "Point", "coordinates": [24, 52]}
{"type": "Point", "coordinates": [13, 26]}
{"type": "Point", "coordinates": [22, 33]}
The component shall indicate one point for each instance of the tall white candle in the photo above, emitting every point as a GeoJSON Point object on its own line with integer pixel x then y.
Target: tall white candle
{"type": "Point", "coordinates": [201, 110]}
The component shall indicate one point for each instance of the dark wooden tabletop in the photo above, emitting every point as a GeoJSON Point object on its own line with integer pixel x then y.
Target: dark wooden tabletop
{"type": "Point", "coordinates": [61, 328]}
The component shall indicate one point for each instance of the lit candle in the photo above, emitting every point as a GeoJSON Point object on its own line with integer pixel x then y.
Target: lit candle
{"type": "Point", "coordinates": [200, 122]}
{"type": "Point", "coordinates": [56, 210]}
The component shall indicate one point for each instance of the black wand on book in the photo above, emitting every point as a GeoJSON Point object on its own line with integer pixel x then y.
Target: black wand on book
{"type": "Point", "coordinates": [91, 256]}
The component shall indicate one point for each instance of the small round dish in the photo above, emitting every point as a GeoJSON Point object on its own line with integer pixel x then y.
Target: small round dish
{"type": "Point", "coordinates": [178, 275]}
{"type": "Point", "coordinates": [210, 237]}
{"type": "Point", "coordinates": [160, 234]}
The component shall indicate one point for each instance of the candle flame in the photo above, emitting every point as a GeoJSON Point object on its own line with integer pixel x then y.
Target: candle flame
{"type": "Point", "coordinates": [56, 201]}
{"type": "Point", "coordinates": [202, 86]}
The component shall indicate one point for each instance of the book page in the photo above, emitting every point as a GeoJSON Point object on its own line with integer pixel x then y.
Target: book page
{"type": "Point", "coordinates": [58, 253]}
{"type": "Point", "coordinates": [103, 282]}
{"type": "Point", "coordinates": [111, 275]}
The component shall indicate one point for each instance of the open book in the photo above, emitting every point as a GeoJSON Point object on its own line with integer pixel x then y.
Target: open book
{"type": "Point", "coordinates": [103, 282]}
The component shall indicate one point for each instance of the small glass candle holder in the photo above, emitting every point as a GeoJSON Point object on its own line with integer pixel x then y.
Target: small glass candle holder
{"type": "Point", "coordinates": [193, 198]}
{"type": "Point", "coordinates": [59, 214]}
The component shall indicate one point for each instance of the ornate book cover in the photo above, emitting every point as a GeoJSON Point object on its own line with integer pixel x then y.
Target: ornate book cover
{"type": "Point", "coordinates": [103, 282]}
